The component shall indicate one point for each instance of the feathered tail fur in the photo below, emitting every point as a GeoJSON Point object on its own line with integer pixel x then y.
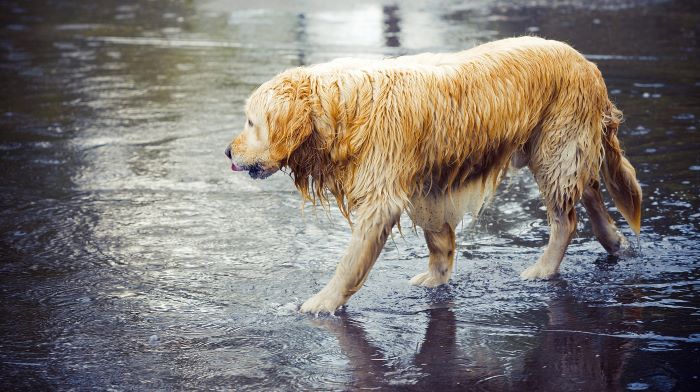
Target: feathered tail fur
{"type": "Point", "coordinates": [618, 173]}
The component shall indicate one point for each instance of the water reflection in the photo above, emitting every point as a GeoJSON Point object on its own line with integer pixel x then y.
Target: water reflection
{"type": "Point", "coordinates": [572, 351]}
{"type": "Point", "coordinates": [438, 362]}
{"type": "Point", "coordinates": [568, 356]}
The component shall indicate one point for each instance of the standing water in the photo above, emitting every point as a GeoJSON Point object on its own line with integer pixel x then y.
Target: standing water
{"type": "Point", "coordinates": [132, 259]}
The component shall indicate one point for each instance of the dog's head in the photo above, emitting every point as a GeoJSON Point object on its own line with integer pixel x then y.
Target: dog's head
{"type": "Point", "coordinates": [278, 121]}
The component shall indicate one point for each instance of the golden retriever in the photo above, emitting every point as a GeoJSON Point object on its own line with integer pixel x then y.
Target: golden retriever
{"type": "Point", "coordinates": [432, 135]}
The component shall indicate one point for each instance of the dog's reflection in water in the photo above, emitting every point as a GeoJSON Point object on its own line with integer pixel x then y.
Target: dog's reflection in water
{"type": "Point", "coordinates": [576, 351]}
{"type": "Point", "coordinates": [565, 355]}
{"type": "Point", "coordinates": [439, 361]}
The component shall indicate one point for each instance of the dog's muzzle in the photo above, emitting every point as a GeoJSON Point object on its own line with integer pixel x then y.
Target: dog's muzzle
{"type": "Point", "coordinates": [256, 170]}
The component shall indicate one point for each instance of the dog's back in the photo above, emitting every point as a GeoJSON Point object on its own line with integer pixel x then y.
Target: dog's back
{"type": "Point", "coordinates": [459, 116]}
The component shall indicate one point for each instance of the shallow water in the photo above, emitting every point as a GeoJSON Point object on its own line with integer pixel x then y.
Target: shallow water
{"type": "Point", "coordinates": [132, 259]}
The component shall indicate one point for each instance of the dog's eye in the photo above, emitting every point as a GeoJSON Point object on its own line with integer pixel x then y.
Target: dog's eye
{"type": "Point", "coordinates": [250, 123]}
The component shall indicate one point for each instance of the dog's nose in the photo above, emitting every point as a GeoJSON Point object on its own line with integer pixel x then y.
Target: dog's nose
{"type": "Point", "coordinates": [228, 152]}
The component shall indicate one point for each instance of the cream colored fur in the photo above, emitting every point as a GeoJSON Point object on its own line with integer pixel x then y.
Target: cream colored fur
{"type": "Point", "coordinates": [432, 134]}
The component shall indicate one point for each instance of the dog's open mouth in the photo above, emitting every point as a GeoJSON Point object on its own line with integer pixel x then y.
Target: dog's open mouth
{"type": "Point", "coordinates": [256, 170]}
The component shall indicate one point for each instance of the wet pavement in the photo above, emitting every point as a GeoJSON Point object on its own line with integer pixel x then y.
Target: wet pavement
{"type": "Point", "coordinates": [131, 258]}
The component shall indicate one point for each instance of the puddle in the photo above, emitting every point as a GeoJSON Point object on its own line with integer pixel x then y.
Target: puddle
{"type": "Point", "coordinates": [133, 259]}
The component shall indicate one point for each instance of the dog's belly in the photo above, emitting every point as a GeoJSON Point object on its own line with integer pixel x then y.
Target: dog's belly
{"type": "Point", "coordinates": [433, 210]}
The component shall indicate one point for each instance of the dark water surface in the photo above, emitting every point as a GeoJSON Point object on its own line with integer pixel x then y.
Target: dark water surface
{"type": "Point", "coordinates": [132, 259]}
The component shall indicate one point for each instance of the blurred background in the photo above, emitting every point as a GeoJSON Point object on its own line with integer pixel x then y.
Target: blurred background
{"type": "Point", "coordinates": [131, 258]}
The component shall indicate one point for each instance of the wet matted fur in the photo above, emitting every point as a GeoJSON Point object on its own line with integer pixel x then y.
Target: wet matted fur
{"type": "Point", "coordinates": [432, 135]}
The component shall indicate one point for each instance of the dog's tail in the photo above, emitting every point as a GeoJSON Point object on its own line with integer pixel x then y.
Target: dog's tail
{"type": "Point", "coordinates": [620, 177]}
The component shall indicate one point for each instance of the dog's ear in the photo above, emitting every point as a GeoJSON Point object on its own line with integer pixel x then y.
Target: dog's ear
{"type": "Point", "coordinates": [290, 120]}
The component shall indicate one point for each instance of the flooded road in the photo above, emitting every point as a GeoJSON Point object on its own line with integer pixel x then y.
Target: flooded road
{"type": "Point", "coordinates": [131, 258]}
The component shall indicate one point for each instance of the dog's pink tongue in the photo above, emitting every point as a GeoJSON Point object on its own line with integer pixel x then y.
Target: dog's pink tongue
{"type": "Point", "coordinates": [235, 168]}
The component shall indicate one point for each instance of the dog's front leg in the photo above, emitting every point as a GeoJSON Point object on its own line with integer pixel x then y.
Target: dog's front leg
{"type": "Point", "coordinates": [369, 233]}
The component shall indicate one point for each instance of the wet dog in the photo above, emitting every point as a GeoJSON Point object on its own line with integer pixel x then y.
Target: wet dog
{"type": "Point", "coordinates": [432, 135]}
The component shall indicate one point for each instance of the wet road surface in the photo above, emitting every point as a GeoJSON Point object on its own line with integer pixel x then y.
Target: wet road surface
{"type": "Point", "coordinates": [132, 259]}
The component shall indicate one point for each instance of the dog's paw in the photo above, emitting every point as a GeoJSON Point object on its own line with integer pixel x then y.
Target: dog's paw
{"type": "Point", "coordinates": [322, 303]}
{"type": "Point", "coordinates": [538, 272]}
{"type": "Point", "coordinates": [624, 248]}
{"type": "Point", "coordinates": [426, 279]}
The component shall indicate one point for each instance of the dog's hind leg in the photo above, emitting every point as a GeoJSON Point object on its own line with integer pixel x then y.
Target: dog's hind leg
{"type": "Point", "coordinates": [563, 226]}
{"type": "Point", "coordinates": [603, 225]}
{"type": "Point", "coordinates": [565, 156]}
{"type": "Point", "coordinates": [441, 245]}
